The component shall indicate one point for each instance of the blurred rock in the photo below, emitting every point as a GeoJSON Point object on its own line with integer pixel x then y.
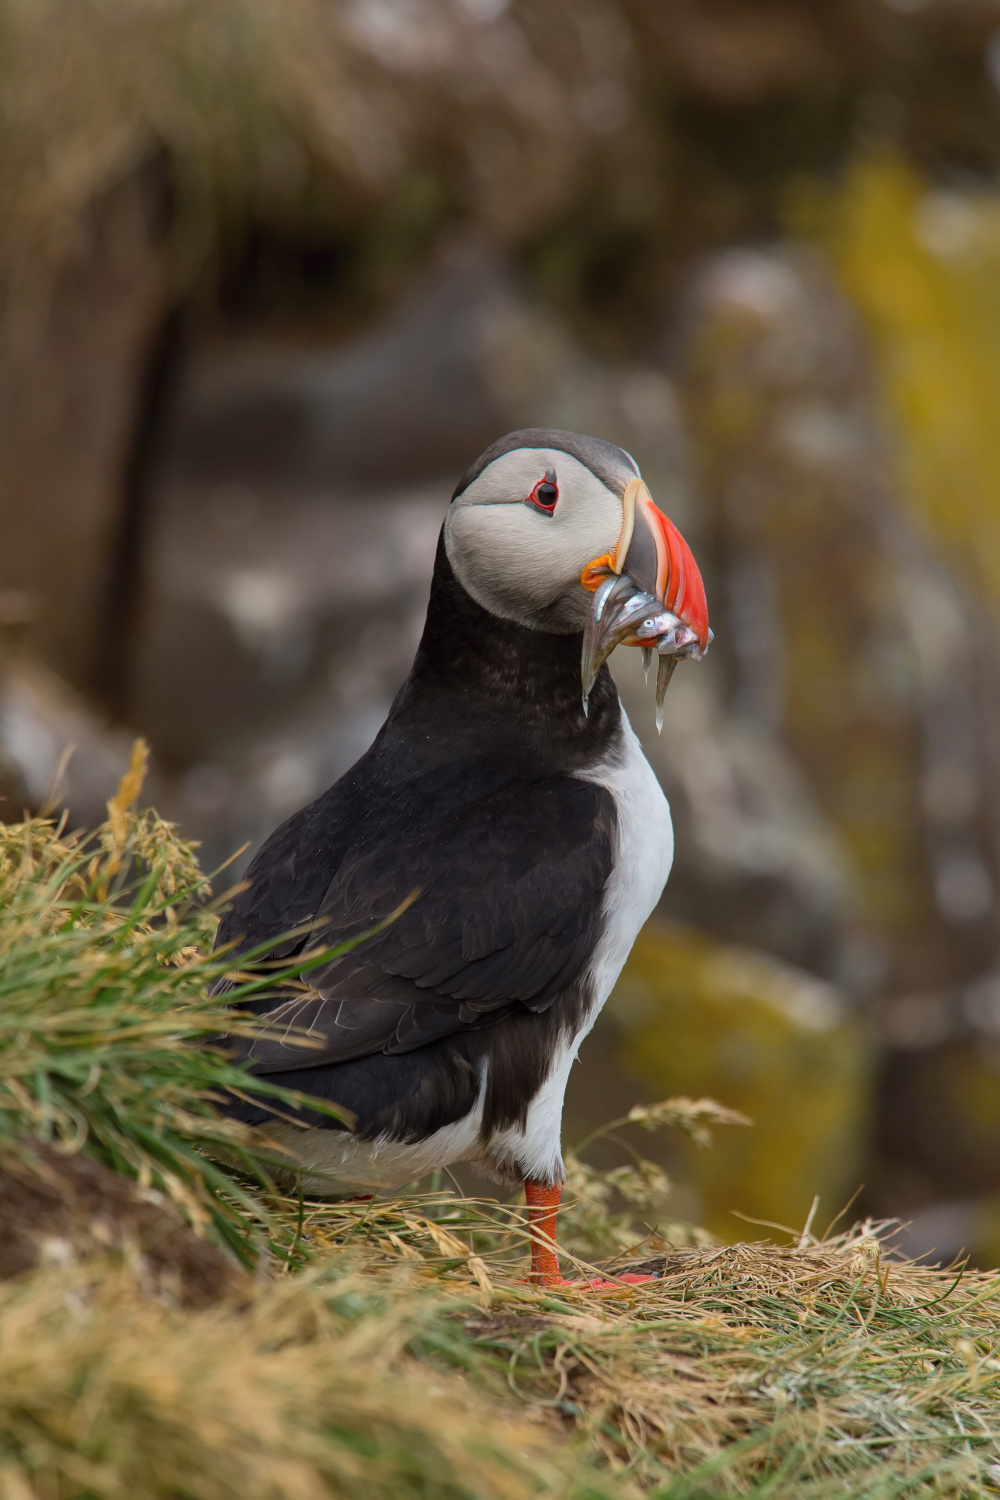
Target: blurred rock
{"type": "Point", "coordinates": [937, 1125]}
{"type": "Point", "coordinates": [58, 1209]}
{"type": "Point", "coordinates": [406, 402]}
{"type": "Point", "coordinates": [271, 650]}
{"type": "Point", "coordinates": [939, 1233]}
{"type": "Point", "coordinates": [694, 1017]}
{"type": "Point", "coordinates": [843, 631]}
{"type": "Point", "coordinates": [953, 1230]}
{"type": "Point", "coordinates": [855, 631]}
{"type": "Point", "coordinates": [755, 861]}
{"type": "Point", "coordinates": [74, 357]}
{"type": "Point", "coordinates": [55, 752]}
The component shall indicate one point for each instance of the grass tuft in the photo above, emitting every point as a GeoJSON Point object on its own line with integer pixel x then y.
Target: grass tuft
{"type": "Point", "coordinates": [106, 978]}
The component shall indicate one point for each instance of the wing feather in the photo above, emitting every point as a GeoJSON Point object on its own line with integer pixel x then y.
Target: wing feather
{"type": "Point", "coordinates": [510, 876]}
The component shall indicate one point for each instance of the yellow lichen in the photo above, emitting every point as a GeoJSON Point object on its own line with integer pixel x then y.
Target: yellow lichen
{"type": "Point", "coordinates": [706, 1018]}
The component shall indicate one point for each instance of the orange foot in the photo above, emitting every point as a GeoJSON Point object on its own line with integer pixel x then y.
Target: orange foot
{"type": "Point", "coordinates": [594, 1283]}
{"type": "Point", "coordinates": [630, 1278]}
{"type": "Point", "coordinates": [543, 1206]}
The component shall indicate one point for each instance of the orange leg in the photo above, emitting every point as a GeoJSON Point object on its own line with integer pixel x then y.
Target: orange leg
{"type": "Point", "coordinates": [543, 1205]}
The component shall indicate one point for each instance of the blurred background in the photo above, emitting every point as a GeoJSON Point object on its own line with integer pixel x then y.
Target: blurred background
{"type": "Point", "coordinates": [273, 272]}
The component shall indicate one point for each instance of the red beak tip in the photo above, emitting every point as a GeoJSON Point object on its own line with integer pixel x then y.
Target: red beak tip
{"type": "Point", "coordinates": [677, 582]}
{"type": "Point", "coordinates": [685, 592]}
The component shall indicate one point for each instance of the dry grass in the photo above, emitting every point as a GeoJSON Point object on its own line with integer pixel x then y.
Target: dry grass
{"type": "Point", "coordinates": [294, 112]}
{"type": "Point", "coordinates": [796, 1371]}
{"type": "Point", "coordinates": [393, 1348]}
{"type": "Point", "coordinates": [322, 1388]}
{"type": "Point", "coordinates": [826, 1367]}
{"type": "Point", "coordinates": [404, 1362]}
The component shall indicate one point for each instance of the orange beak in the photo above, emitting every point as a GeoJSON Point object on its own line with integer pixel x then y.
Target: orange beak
{"type": "Point", "coordinates": [648, 592]}
{"type": "Point", "coordinates": [658, 560]}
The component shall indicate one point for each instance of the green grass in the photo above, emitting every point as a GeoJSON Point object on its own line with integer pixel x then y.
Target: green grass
{"type": "Point", "coordinates": [393, 1348]}
{"type": "Point", "coordinates": [106, 972]}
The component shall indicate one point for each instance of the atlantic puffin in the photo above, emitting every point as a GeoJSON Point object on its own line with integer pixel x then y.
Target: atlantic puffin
{"type": "Point", "coordinates": [507, 797]}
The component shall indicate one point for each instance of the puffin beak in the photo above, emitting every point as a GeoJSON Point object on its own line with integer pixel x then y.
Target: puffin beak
{"type": "Point", "coordinates": [647, 593]}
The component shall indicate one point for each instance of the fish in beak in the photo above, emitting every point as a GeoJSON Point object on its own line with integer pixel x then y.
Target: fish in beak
{"type": "Point", "coordinates": [647, 593]}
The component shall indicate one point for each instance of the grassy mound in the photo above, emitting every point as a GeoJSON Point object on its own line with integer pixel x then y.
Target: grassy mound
{"type": "Point", "coordinates": [106, 971]}
{"type": "Point", "coordinates": [319, 1388]}
{"type": "Point", "coordinates": [393, 1348]}
{"type": "Point", "coordinates": [825, 1367]}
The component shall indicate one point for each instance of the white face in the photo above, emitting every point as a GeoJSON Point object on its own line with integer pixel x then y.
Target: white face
{"type": "Point", "coordinates": [519, 562]}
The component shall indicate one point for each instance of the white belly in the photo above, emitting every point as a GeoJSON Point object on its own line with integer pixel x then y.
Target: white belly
{"type": "Point", "coordinates": [342, 1165]}
{"type": "Point", "coordinates": [644, 853]}
{"type": "Point", "coordinates": [335, 1164]}
{"type": "Point", "coordinates": [643, 856]}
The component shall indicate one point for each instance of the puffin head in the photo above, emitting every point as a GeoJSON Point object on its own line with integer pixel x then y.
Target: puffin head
{"type": "Point", "coordinates": [558, 532]}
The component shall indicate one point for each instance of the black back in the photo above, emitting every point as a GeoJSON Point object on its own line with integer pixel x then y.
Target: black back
{"type": "Point", "coordinates": [468, 798]}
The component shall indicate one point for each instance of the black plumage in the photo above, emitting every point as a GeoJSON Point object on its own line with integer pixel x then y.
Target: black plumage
{"type": "Point", "coordinates": [468, 798]}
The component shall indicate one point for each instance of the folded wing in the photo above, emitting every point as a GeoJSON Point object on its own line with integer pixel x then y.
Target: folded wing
{"type": "Point", "coordinates": [506, 878]}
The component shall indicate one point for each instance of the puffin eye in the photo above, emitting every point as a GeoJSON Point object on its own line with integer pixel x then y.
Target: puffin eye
{"type": "Point", "coordinates": [545, 493]}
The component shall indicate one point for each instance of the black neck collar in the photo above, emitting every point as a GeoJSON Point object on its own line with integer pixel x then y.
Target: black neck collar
{"type": "Point", "coordinates": [472, 666]}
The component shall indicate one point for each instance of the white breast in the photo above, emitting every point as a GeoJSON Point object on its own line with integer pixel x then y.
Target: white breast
{"type": "Point", "coordinates": [644, 852]}
{"type": "Point", "coordinates": [643, 856]}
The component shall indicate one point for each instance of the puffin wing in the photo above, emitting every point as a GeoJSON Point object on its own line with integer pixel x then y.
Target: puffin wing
{"type": "Point", "coordinates": [506, 878]}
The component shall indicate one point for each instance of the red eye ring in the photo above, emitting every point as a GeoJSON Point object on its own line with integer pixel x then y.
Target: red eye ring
{"type": "Point", "coordinates": [545, 494]}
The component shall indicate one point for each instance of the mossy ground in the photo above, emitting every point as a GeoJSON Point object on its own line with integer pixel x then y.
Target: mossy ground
{"type": "Point", "coordinates": [394, 1348]}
